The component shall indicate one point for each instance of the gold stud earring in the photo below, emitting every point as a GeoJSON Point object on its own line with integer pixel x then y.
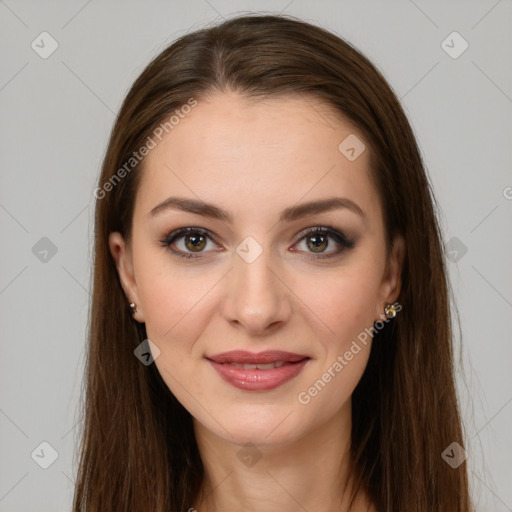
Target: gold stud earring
{"type": "Point", "coordinates": [390, 311]}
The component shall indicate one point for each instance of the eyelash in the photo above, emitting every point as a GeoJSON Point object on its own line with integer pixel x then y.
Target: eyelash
{"type": "Point", "coordinates": [339, 237]}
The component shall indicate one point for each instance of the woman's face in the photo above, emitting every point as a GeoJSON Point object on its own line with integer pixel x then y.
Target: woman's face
{"type": "Point", "coordinates": [249, 277]}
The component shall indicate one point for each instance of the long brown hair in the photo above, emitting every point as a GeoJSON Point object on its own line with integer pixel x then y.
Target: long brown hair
{"type": "Point", "coordinates": [138, 450]}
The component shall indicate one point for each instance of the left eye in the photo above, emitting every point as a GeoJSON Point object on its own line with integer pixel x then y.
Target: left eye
{"type": "Point", "coordinates": [316, 241]}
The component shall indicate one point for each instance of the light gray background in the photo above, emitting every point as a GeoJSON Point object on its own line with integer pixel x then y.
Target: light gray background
{"type": "Point", "coordinates": [56, 115]}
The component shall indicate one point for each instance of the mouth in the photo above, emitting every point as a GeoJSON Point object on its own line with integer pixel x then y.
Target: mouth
{"type": "Point", "coordinates": [266, 366]}
{"type": "Point", "coordinates": [258, 372]}
{"type": "Point", "coordinates": [262, 358]}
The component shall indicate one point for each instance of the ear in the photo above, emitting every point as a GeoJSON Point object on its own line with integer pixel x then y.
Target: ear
{"type": "Point", "coordinates": [392, 281]}
{"type": "Point", "coordinates": [121, 253]}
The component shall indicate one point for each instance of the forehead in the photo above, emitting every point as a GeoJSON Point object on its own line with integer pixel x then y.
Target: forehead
{"type": "Point", "coordinates": [257, 154]}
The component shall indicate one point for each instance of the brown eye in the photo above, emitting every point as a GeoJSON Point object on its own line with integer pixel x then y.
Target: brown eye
{"type": "Point", "coordinates": [317, 243]}
{"type": "Point", "coordinates": [195, 242]}
{"type": "Point", "coordinates": [318, 239]}
{"type": "Point", "coordinates": [185, 242]}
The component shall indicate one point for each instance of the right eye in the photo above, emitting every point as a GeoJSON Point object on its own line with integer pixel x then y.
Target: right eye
{"type": "Point", "coordinates": [194, 240]}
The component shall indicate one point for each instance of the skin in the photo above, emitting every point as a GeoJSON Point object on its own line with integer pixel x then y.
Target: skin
{"type": "Point", "coordinates": [254, 159]}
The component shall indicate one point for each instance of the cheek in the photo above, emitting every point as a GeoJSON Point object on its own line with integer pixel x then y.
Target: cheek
{"type": "Point", "coordinates": [173, 299]}
{"type": "Point", "coordinates": [347, 308]}
{"type": "Point", "coordinates": [344, 302]}
{"type": "Point", "coordinates": [345, 305]}
{"type": "Point", "coordinates": [174, 314]}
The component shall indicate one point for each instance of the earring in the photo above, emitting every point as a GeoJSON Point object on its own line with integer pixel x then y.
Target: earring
{"type": "Point", "coordinates": [390, 311]}
{"type": "Point", "coordinates": [134, 307]}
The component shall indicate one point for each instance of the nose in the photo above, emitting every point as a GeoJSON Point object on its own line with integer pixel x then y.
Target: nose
{"type": "Point", "coordinates": [256, 296]}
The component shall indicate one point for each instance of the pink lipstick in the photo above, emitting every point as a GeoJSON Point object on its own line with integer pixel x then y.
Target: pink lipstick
{"type": "Point", "coordinates": [257, 372]}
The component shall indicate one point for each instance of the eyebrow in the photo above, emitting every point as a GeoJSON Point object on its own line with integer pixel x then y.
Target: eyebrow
{"type": "Point", "coordinates": [288, 215]}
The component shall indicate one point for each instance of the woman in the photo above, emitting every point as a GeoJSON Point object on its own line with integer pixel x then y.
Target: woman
{"type": "Point", "coordinates": [270, 324]}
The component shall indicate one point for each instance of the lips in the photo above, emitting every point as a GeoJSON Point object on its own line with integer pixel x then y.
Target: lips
{"type": "Point", "coordinates": [266, 366]}
{"type": "Point", "coordinates": [267, 357]}
{"type": "Point", "coordinates": [257, 372]}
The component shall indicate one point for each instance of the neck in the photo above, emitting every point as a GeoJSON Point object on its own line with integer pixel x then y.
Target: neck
{"type": "Point", "coordinates": [311, 473]}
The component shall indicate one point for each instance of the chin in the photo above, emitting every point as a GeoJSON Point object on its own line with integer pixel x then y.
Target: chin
{"type": "Point", "coordinates": [259, 427]}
